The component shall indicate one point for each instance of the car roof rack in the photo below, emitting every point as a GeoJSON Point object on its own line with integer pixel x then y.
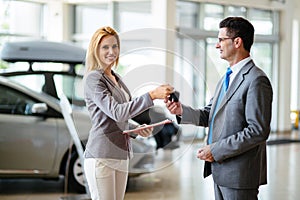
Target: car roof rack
{"type": "Point", "coordinates": [42, 51]}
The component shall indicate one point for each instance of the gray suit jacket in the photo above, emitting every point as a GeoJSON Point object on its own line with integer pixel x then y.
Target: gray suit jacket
{"type": "Point", "coordinates": [240, 130]}
{"type": "Point", "coordinates": [109, 112]}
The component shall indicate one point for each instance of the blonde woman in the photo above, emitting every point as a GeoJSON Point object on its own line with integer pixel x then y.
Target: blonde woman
{"type": "Point", "coordinates": [110, 105]}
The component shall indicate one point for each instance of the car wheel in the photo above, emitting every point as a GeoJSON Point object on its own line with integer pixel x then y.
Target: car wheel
{"type": "Point", "coordinates": [76, 179]}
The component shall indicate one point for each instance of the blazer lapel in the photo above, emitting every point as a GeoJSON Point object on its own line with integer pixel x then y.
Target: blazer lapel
{"type": "Point", "coordinates": [236, 83]}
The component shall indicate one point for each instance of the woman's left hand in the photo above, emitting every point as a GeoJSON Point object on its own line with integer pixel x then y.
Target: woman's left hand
{"type": "Point", "coordinates": [145, 132]}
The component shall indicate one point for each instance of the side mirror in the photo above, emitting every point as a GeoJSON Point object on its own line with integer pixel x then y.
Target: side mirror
{"type": "Point", "coordinates": [39, 108]}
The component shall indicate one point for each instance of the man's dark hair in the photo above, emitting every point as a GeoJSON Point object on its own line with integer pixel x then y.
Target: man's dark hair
{"type": "Point", "coordinates": [239, 27]}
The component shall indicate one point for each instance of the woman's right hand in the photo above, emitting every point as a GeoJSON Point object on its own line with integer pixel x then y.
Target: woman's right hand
{"type": "Point", "coordinates": [161, 92]}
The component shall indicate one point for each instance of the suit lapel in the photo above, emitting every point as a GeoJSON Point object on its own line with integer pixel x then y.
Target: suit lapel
{"type": "Point", "coordinates": [236, 83]}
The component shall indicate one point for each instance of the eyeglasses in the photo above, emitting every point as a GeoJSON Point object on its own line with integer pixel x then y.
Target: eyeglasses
{"type": "Point", "coordinates": [223, 39]}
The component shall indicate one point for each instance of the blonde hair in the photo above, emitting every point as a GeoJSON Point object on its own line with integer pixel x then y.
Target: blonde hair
{"type": "Point", "coordinates": [92, 60]}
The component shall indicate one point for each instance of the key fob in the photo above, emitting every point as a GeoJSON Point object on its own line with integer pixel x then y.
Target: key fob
{"type": "Point", "coordinates": [174, 96]}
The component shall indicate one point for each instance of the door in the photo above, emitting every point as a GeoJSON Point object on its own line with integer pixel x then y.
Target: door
{"type": "Point", "coordinates": [28, 142]}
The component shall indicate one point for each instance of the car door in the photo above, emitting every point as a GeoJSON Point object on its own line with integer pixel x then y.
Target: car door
{"type": "Point", "coordinates": [28, 142]}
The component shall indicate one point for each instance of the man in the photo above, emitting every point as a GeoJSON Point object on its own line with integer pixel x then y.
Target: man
{"type": "Point", "coordinates": [238, 118]}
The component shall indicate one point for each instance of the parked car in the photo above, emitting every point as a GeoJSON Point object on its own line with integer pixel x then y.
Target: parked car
{"type": "Point", "coordinates": [34, 139]}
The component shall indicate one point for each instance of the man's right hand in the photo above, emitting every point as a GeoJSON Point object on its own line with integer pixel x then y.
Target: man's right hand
{"type": "Point", "coordinates": [174, 107]}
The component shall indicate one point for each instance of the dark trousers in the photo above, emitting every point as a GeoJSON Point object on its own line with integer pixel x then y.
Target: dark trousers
{"type": "Point", "coordinates": [224, 193]}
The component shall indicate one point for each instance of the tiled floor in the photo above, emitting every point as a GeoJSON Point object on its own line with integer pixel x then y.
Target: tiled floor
{"type": "Point", "coordinates": [178, 176]}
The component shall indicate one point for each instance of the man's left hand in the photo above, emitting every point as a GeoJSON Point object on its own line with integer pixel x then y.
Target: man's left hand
{"type": "Point", "coordinates": [204, 153]}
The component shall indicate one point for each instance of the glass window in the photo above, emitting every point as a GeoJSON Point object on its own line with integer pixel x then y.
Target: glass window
{"type": "Point", "coordinates": [13, 102]}
{"type": "Point", "coordinates": [237, 11]}
{"type": "Point", "coordinates": [262, 54]}
{"type": "Point", "coordinates": [3, 64]}
{"type": "Point", "coordinates": [187, 14]}
{"type": "Point", "coordinates": [133, 15]}
{"type": "Point", "coordinates": [48, 66]}
{"type": "Point", "coordinates": [189, 70]}
{"type": "Point", "coordinates": [213, 55]}
{"type": "Point", "coordinates": [4, 16]}
{"type": "Point", "coordinates": [189, 77]}
{"type": "Point", "coordinates": [12, 11]}
{"type": "Point", "coordinates": [71, 86]}
{"type": "Point", "coordinates": [90, 17]}
{"type": "Point", "coordinates": [262, 21]}
{"type": "Point", "coordinates": [32, 81]}
{"type": "Point", "coordinates": [213, 14]}
{"type": "Point", "coordinates": [215, 67]}
{"type": "Point", "coordinates": [79, 69]}
{"type": "Point", "coordinates": [15, 66]}
{"type": "Point", "coordinates": [137, 52]}
{"type": "Point", "coordinates": [145, 61]}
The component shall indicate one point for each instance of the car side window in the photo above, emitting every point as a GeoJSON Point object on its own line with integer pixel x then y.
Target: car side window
{"type": "Point", "coordinates": [71, 86]}
{"type": "Point", "coordinates": [32, 81]}
{"type": "Point", "coordinates": [14, 102]}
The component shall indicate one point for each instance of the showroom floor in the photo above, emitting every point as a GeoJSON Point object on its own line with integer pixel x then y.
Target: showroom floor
{"type": "Point", "coordinates": [178, 176]}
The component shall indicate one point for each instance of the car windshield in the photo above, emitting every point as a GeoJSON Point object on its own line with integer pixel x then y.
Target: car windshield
{"type": "Point", "coordinates": [70, 85]}
{"type": "Point", "coordinates": [49, 67]}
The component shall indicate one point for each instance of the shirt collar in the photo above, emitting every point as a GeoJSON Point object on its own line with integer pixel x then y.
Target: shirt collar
{"type": "Point", "coordinates": [238, 66]}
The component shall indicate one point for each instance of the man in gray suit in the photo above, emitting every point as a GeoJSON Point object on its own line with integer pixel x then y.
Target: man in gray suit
{"type": "Point", "coordinates": [238, 118]}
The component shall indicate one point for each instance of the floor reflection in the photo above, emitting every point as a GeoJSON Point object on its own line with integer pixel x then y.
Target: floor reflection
{"type": "Point", "coordinates": [178, 176]}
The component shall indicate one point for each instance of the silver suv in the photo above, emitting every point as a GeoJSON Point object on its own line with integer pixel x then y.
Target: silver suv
{"type": "Point", "coordinates": [34, 139]}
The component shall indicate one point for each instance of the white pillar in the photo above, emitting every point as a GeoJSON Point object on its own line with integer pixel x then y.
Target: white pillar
{"type": "Point", "coordinates": [284, 70]}
{"type": "Point", "coordinates": [296, 55]}
{"type": "Point", "coordinates": [295, 65]}
{"type": "Point", "coordinates": [164, 17]}
{"type": "Point", "coordinates": [58, 21]}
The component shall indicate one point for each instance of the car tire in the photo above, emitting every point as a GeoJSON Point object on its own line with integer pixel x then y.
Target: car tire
{"type": "Point", "coordinates": [76, 180]}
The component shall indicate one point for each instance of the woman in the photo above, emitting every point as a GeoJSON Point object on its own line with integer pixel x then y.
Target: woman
{"type": "Point", "coordinates": [110, 106]}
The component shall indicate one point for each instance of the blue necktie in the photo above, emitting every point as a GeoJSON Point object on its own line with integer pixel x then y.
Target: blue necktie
{"type": "Point", "coordinates": [227, 78]}
{"type": "Point", "coordinates": [222, 92]}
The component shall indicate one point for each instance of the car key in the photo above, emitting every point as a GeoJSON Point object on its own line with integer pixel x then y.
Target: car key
{"type": "Point", "coordinates": [174, 96]}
